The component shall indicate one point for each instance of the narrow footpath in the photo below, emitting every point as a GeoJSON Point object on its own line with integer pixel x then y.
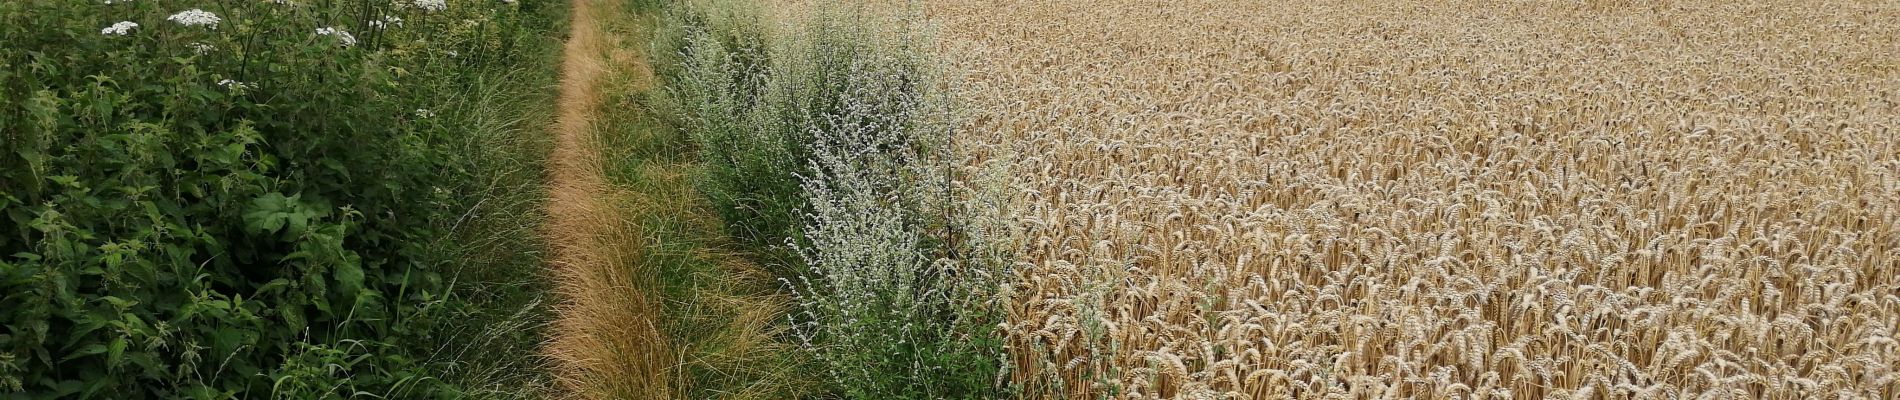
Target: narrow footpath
{"type": "Point", "coordinates": [656, 302]}
{"type": "Point", "coordinates": [595, 344]}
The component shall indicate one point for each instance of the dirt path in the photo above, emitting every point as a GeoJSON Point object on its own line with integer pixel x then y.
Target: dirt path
{"type": "Point", "coordinates": [656, 301]}
{"type": "Point", "coordinates": [596, 345]}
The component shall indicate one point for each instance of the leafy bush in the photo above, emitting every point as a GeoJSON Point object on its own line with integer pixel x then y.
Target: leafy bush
{"type": "Point", "coordinates": [836, 139]}
{"type": "Point", "coordinates": [243, 202]}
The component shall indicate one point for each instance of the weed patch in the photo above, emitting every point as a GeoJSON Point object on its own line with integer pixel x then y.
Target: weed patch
{"type": "Point", "coordinates": [831, 141]}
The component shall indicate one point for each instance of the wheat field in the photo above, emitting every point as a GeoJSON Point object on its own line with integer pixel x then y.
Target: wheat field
{"type": "Point", "coordinates": [1456, 199]}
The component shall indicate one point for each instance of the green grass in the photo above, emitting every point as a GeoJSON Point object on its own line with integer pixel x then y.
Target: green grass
{"type": "Point", "coordinates": [491, 346]}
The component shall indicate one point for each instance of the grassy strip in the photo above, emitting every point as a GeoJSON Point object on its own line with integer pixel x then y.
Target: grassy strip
{"type": "Point", "coordinates": [719, 313]}
{"type": "Point", "coordinates": [491, 347]}
{"type": "Point", "coordinates": [662, 306]}
{"type": "Point", "coordinates": [834, 137]}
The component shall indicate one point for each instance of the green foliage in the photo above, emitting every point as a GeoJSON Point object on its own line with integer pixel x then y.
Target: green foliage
{"type": "Point", "coordinates": [251, 210]}
{"type": "Point", "coordinates": [836, 140]}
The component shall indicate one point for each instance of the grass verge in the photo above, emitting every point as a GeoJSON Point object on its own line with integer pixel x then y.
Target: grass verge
{"type": "Point", "coordinates": [658, 303]}
{"type": "Point", "coordinates": [491, 347]}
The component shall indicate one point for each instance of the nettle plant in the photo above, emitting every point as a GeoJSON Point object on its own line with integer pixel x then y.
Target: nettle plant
{"type": "Point", "coordinates": [225, 198]}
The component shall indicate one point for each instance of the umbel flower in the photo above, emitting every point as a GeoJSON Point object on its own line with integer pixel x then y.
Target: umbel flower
{"type": "Point", "coordinates": [121, 29]}
{"type": "Point", "coordinates": [386, 22]}
{"type": "Point", "coordinates": [432, 5]}
{"type": "Point", "coordinates": [195, 17]}
{"type": "Point", "coordinates": [233, 84]}
{"type": "Point", "coordinates": [343, 38]}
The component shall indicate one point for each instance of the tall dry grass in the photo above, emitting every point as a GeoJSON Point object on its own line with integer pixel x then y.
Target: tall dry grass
{"type": "Point", "coordinates": [601, 347]}
{"type": "Point", "coordinates": [1463, 199]}
{"type": "Point", "coordinates": [656, 301]}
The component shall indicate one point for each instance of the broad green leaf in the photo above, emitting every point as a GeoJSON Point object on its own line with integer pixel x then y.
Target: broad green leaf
{"type": "Point", "coordinates": [115, 353]}
{"type": "Point", "coordinates": [349, 278]}
{"type": "Point", "coordinates": [91, 349]}
{"type": "Point", "coordinates": [268, 213]}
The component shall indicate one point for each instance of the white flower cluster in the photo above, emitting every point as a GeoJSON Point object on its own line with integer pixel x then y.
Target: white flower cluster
{"type": "Point", "coordinates": [201, 48]}
{"type": "Point", "coordinates": [424, 113]}
{"type": "Point", "coordinates": [283, 2]}
{"type": "Point", "coordinates": [234, 84]}
{"type": "Point", "coordinates": [432, 5]}
{"type": "Point", "coordinates": [111, 2]}
{"type": "Point", "coordinates": [121, 29]}
{"type": "Point", "coordinates": [343, 38]}
{"type": "Point", "coordinates": [386, 22]}
{"type": "Point", "coordinates": [195, 17]}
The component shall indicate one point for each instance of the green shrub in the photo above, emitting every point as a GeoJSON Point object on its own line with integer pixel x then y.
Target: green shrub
{"type": "Point", "coordinates": [247, 209]}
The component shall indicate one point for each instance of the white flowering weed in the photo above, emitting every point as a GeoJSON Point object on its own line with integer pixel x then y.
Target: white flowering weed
{"type": "Point", "coordinates": [386, 22]}
{"type": "Point", "coordinates": [343, 38]}
{"type": "Point", "coordinates": [233, 84]}
{"type": "Point", "coordinates": [196, 17]}
{"type": "Point", "coordinates": [119, 29]}
{"type": "Point", "coordinates": [432, 5]}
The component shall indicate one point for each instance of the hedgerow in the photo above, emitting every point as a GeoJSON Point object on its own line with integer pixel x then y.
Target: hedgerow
{"type": "Point", "coordinates": [241, 199]}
